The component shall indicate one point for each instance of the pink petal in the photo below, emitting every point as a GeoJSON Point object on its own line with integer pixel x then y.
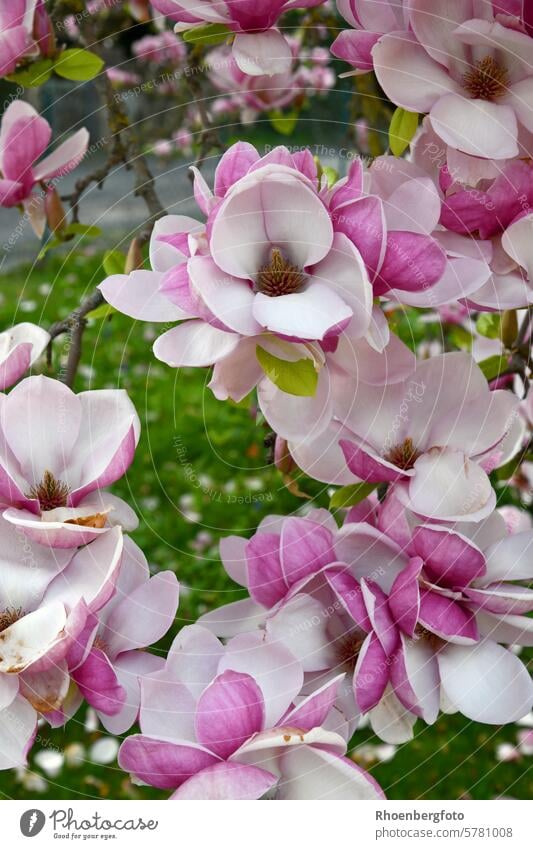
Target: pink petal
{"type": "Point", "coordinates": [98, 683]}
{"type": "Point", "coordinates": [138, 295]}
{"type": "Point", "coordinates": [350, 594]}
{"type": "Point", "coordinates": [363, 222]}
{"type": "Point", "coordinates": [233, 165]}
{"type": "Point", "coordinates": [194, 343]}
{"type": "Point", "coordinates": [145, 615]}
{"type": "Point", "coordinates": [273, 668]}
{"type": "Point", "coordinates": [266, 582]}
{"type": "Point", "coordinates": [261, 53]}
{"type": "Point", "coordinates": [368, 467]}
{"type": "Point", "coordinates": [161, 764]}
{"type": "Point", "coordinates": [229, 711]}
{"type": "Point", "coordinates": [412, 261]}
{"type": "Point", "coordinates": [404, 597]}
{"type": "Point", "coordinates": [450, 560]}
{"type": "Point", "coordinates": [371, 674]}
{"type": "Point", "coordinates": [408, 75]}
{"type": "Point", "coordinates": [476, 127]}
{"type": "Point", "coordinates": [280, 209]}
{"type": "Point", "coordinates": [304, 547]}
{"type": "Point", "coordinates": [313, 710]}
{"type": "Point", "coordinates": [486, 682]}
{"type": "Point", "coordinates": [446, 618]}
{"type": "Point", "coordinates": [64, 158]}
{"type": "Point", "coordinates": [228, 298]}
{"type": "Point", "coordinates": [415, 678]}
{"type": "Point", "coordinates": [227, 781]}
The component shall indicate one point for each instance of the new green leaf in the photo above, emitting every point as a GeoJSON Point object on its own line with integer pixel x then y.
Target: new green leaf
{"type": "Point", "coordinates": [402, 128]}
{"type": "Point", "coordinates": [78, 64]}
{"type": "Point", "coordinates": [210, 34]}
{"type": "Point", "coordinates": [296, 378]}
{"type": "Point", "coordinates": [348, 496]}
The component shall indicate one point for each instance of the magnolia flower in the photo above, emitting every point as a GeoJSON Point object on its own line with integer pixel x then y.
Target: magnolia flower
{"type": "Point", "coordinates": [482, 205]}
{"type": "Point", "coordinates": [16, 40]}
{"type": "Point", "coordinates": [24, 136]}
{"type": "Point", "coordinates": [370, 21]}
{"type": "Point", "coordinates": [321, 591]}
{"type": "Point", "coordinates": [138, 614]}
{"type": "Point", "coordinates": [269, 286]}
{"type": "Point", "coordinates": [46, 598]}
{"type": "Point", "coordinates": [252, 95]}
{"type": "Point", "coordinates": [20, 347]}
{"type": "Point", "coordinates": [258, 46]}
{"type": "Point", "coordinates": [58, 451]}
{"type": "Point", "coordinates": [226, 723]}
{"type": "Point", "coordinates": [439, 431]}
{"type": "Point", "coordinates": [161, 49]}
{"type": "Point", "coordinates": [453, 603]}
{"type": "Point", "coordinates": [473, 75]}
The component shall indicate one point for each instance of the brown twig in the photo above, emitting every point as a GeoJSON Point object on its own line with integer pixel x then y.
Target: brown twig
{"type": "Point", "coordinates": [126, 149]}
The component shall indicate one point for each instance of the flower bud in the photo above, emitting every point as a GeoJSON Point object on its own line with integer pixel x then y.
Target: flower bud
{"type": "Point", "coordinates": [43, 31]}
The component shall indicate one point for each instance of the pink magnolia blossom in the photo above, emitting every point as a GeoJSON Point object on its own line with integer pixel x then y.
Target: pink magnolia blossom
{"type": "Point", "coordinates": [46, 597]}
{"type": "Point", "coordinates": [253, 95]}
{"type": "Point", "coordinates": [439, 431]}
{"type": "Point", "coordinates": [20, 347]}
{"type": "Point", "coordinates": [469, 68]}
{"type": "Point", "coordinates": [258, 46]}
{"type": "Point", "coordinates": [411, 620]}
{"type": "Point", "coordinates": [461, 595]}
{"type": "Point", "coordinates": [138, 614]}
{"type": "Point", "coordinates": [482, 206]}
{"type": "Point", "coordinates": [268, 284]}
{"type": "Point", "coordinates": [227, 723]}
{"type": "Point", "coordinates": [370, 21]}
{"type": "Point", "coordinates": [24, 136]}
{"type": "Point", "coordinates": [58, 451]}
{"type": "Point", "coordinates": [321, 591]}
{"type": "Point", "coordinates": [16, 33]}
{"type": "Point", "coordinates": [161, 49]}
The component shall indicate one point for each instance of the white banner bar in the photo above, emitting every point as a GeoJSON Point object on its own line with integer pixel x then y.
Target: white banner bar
{"type": "Point", "coordinates": [256, 825]}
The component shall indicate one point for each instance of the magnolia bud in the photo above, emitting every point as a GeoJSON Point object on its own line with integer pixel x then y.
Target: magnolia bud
{"type": "Point", "coordinates": [509, 328]}
{"type": "Point", "coordinates": [43, 31]}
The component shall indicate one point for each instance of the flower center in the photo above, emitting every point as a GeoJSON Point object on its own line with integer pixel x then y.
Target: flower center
{"type": "Point", "coordinates": [403, 456]}
{"type": "Point", "coordinates": [348, 648]}
{"type": "Point", "coordinates": [429, 637]}
{"type": "Point", "coordinates": [50, 492]}
{"type": "Point", "coordinates": [486, 80]}
{"type": "Point", "coordinates": [9, 616]}
{"type": "Point", "coordinates": [279, 277]}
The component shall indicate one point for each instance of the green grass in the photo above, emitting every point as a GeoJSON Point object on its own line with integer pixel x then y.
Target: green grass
{"type": "Point", "coordinates": [201, 472]}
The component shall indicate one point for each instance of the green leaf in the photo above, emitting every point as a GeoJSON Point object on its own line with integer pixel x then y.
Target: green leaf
{"type": "Point", "coordinates": [489, 325]}
{"type": "Point", "coordinates": [331, 174]}
{"type": "Point", "coordinates": [210, 34]}
{"type": "Point", "coordinates": [33, 75]}
{"type": "Point", "coordinates": [402, 128]}
{"type": "Point", "coordinates": [494, 366]}
{"type": "Point", "coordinates": [460, 337]}
{"type": "Point", "coordinates": [77, 64]}
{"type": "Point", "coordinates": [114, 262]}
{"type": "Point", "coordinates": [103, 311]}
{"type": "Point", "coordinates": [347, 496]}
{"type": "Point", "coordinates": [296, 378]}
{"type": "Point", "coordinates": [283, 122]}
